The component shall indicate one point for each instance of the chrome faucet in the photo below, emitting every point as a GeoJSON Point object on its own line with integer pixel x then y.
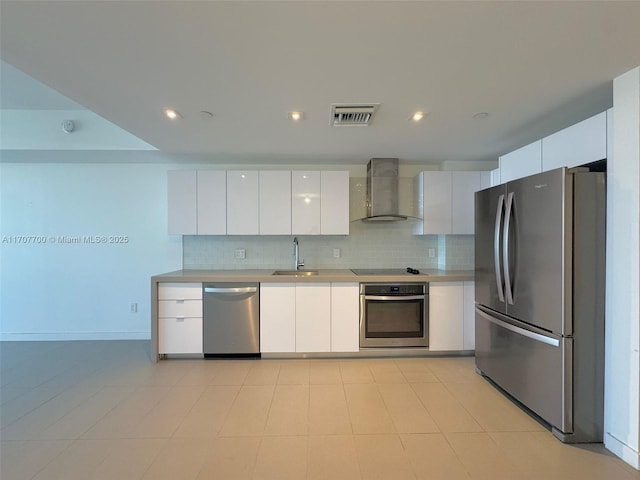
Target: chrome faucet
{"type": "Point", "coordinates": [296, 254]}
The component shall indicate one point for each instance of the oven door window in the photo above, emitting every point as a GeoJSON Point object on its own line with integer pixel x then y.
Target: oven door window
{"type": "Point", "coordinates": [394, 319]}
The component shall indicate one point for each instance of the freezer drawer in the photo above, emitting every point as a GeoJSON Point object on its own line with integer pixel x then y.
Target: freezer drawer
{"type": "Point", "coordinates": [533, 367]}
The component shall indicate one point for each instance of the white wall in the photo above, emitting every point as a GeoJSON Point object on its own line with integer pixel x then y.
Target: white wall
{"type": "Point", "coordinates": [53, 290]}
{"type": "Point", "coordinates": [622, 372]}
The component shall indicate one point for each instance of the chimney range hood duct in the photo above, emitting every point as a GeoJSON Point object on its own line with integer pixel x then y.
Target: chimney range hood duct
{"type": "Point", "coordinates": [382, 191]}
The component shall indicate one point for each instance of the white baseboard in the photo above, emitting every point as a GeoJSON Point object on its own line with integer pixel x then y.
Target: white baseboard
{"type": "Point", "coordinates": [622, 450]}
{"type": "Point", "coordinates": [43, 336]}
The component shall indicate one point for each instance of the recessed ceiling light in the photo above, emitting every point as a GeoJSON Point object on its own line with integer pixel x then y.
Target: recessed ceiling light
{"type": "Point", "coordinates": [172, 114]}
{"type": "Point", "coordinates": [296, 116]}
{"type": "Point", "coordinates": [480, 115]}
{"type": "Point", "coordinates": [205, 114]}
{"type": "Point", "coordinates": [417, 116]}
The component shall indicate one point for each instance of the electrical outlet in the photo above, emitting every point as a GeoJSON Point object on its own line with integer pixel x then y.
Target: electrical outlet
{"type": "Point", "coordinates": [133, 308]}
{"type": "Point", "coordinates": [240, 253]}
{"type": "Point", "coordinates": [432, 253]}
{"type": "Point", "coordinates": [336, 253]}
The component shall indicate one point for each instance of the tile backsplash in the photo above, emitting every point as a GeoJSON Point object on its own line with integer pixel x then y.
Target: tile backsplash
{"type": "Point", "coordinates": [369, 245]}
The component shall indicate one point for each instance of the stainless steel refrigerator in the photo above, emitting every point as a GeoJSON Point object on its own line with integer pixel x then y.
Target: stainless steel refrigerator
{"type": "Point", "coordinates": [539, 292]}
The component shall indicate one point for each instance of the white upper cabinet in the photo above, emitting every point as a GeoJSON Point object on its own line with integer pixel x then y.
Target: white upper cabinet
{"type": "Point", "coordinates": [242, 202]}
{"type": "Point", "coordinates": [268, 202]}
{"type": "Point", "coordinates": [275, 202]}
{"type": "Point", "coordinates": [334, 203]}
{"type": "Point", "coordinates": [305, 203]}
{"type": "Point", "coordinates": [445, 202]}
{"type": "Point", "coordinates": [582, 143]}
{"type": "Point", "coordinates": [489, 178]}
{"type": "Point", "coordinates": [610, 134]}
{"type": "Point", "coordinates": [182, 202]}
{"type": "Point", "coordinates": [522, 162]}
{"type": "Point", "coordinates": [433, 203]}
{"type": "Point", "coordinates": [464, 185]}
{"type": "Point", "coordinates": [212, 202]}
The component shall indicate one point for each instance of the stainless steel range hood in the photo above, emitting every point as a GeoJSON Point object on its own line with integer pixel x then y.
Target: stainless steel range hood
{"type": "Point", "coordinates": [382, 191]}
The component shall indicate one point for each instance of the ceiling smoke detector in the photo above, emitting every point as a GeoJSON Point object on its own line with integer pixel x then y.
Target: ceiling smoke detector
{"type": "Point", "coordinates": [352, 114]}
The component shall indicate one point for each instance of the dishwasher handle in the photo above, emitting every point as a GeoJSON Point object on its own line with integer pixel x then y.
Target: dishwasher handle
{"type": "Point", "coordinates": [230, 290]}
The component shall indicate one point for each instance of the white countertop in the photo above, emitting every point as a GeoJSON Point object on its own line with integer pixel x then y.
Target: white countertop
{"type": "Point", "coordinates": [324, 275]}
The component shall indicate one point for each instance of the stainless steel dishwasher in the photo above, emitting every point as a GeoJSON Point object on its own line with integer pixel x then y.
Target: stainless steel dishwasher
{"type": "Point", "coordinates": [231, 323]}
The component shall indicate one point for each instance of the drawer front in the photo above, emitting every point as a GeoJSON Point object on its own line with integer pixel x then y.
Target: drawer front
{"type": "Point", "coordinates": [530, 369]}
{"type": "Point", "coordinates": [180, 291]}
{"type": "Point", "coordinates": [180, 335]}
{"type": "Point", "coordinates": [179, 308]}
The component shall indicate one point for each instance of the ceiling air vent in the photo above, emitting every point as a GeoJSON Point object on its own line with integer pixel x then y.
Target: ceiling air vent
{"type": "Point", "coordinates": [352, 114]}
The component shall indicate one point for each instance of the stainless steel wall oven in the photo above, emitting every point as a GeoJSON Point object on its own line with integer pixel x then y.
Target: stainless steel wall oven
{"type": "Point", "coordinates": [394, 315]}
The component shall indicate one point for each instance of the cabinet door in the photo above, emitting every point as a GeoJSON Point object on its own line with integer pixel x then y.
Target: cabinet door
{"type": "Point", "coordinates": [345, 317]}
{"type": "Point", "coordinates": [313, 317]}
{"type": "Point", "coordinates": [610, 134]}
{"type": "Point", "coordinates": [464, 185]}
{"type": "Point", "coordinates": [277, 317]}
{"type": "Point", "coordinates": [180, 318]}
{"type": "Point", "coordinates": [182, 202]}
{"type": "Point", "coordinates": [469, 317]}
{"type": "Point", "coordinates": [437, 207]}
{"type": "Point", "coordinates": [584, 142]}
{"type": "Point", "coordinates": [275, 202]}
{"type": "Point", "coordinates": [242, 203]}
{"type": "Point", "coordinates": [522, 162]}
{"type": "Point", "coordinates": [334, 203]}
{"type": "Point", "coordinates": [212, 202]}
{"type": "Point", "coordinates": [485, 179]}
{"type": "Point", "coordinates": [305, 203]}
{"type": "Point", "coordinates": [489, 178]}
{"type": "Point", "coordinates": [446, 311]}
{"type": "Point", "coordinates": [180, 335]}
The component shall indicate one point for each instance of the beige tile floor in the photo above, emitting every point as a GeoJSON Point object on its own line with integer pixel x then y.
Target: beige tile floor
{"type": "Point", "coordinates": [102, 410]}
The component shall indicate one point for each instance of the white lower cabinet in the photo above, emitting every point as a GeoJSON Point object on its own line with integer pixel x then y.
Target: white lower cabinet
{"type": "Point", "coordinates": [277, 317]}
{"type": "Point", "coordinates": [451, 316]}
{"type": "Point", "coordinates": [345, 317]}
{"type": "Point", "coordinates": [309, 317]}
{"type": "Point", "coordinates": [446, 313]}
{"type": "Point", "coordinates": [313, 317]}
{"type": "Point", "coordinates": [469, 316]}
{"type": "Point", "coordinates": [180, 318]}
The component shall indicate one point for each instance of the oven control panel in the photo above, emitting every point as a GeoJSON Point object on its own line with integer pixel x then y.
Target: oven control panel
{"type": "Point", "coordinates": [401, 289]}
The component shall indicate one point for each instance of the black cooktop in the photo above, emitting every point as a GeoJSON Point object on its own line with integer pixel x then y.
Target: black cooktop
{"type": "Point", "coordinates": [385, 271]}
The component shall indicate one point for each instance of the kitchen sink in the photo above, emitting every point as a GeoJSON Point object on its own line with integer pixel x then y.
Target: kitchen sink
{"type": "Point", "coordinates": [296, 273]}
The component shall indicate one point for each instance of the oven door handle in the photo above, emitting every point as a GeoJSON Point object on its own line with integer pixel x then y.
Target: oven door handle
{"type": "Point", "coordinates": [394, 297]}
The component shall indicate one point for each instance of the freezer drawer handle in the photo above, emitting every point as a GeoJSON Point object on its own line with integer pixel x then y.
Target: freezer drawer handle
{"type": "Point", "coordinates": [496, 247]}
{"type": "Point", "coordinates": [230, 290]}
{"type": "Point", "coordinates": [520, 331]}
{"type": "Point", "coordinates": [505, 259]}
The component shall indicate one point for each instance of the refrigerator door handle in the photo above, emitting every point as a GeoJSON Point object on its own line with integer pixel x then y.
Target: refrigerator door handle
{"type": "Point", "coordinates": [496, 247]}
{"type": "Point", "coordinates": [508, 291]}
{"type": "Point", "coordinates": [520, 331]}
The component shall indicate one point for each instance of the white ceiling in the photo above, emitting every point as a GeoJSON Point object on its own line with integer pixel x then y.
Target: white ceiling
{"type": "Point", "coordinates": [535, 67]}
